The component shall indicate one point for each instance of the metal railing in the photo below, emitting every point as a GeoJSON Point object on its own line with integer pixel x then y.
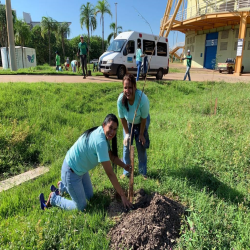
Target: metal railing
{"type": "Point", "coordinates": [212, 6]}
{"type": "Point", "coordinates": [179, 44]}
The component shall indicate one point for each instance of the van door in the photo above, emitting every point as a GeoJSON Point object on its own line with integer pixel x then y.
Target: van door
{"type": "Point", "coordinates": [149, 50]}
{"type": "Point", "coordinates": [129, 57]}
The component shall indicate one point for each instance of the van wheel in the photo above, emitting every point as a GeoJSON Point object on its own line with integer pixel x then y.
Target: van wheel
{"type": "Point", "coordinates": [121, 72]}
{"type": "Point", "coordinates": [159, 74]}
{"type": "Point", "coordinates": [106, 75]}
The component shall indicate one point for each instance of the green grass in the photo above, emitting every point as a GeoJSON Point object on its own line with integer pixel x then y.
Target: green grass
{"type": "Point", "coordinates": [196, 158]}
{"type": "Point", "coordinates": [47, 70]}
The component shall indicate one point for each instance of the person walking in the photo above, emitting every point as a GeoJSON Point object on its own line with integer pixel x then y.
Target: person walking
{"type": "Point", "coordinates": [126, 104]}
{"type": "Point", "coordinates": [88, 151]}
{"type": "Point", "coordinates": [57, 61]}
{"type": "Point", "coordinates": [139, 56]}
{"type": "Point", "coordinates": [82, 52]}
{"type": "Point", "coordinates": [189, 62]}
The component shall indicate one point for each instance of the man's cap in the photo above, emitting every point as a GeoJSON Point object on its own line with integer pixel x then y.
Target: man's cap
{"type": "Point", "coordinates": [56, 52]}
{"type": "Point", "coordinates": [81, 36]}
{"type": "Point", "coordinates": [188, 50]}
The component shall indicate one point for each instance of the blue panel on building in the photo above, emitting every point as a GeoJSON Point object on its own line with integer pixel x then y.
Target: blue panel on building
{"type": "Point", "coordinates": [211, 50]}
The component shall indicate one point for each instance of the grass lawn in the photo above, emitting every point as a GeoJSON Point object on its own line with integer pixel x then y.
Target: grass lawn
{"type": "Point", "coordinates": [47, 70]}
{"type": "Point", "coordinates": [196, 158]}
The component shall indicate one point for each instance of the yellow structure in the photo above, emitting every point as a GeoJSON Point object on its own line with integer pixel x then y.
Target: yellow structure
{"type": "Point", "coordinates": [213, 29]}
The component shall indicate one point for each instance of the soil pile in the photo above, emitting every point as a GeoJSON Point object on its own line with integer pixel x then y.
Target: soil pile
{"type": "Point", "coordinates": [154, 223]}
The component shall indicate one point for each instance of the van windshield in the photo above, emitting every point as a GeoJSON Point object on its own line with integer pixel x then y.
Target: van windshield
{"type": "Point", "coordinates": [116, 45]}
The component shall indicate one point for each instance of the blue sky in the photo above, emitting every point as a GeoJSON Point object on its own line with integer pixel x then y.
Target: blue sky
{"type": "Point", "coordinates": [127, 15]}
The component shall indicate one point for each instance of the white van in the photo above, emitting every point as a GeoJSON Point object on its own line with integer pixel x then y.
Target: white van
{"type": "Point", "coordinates": [120, 57]}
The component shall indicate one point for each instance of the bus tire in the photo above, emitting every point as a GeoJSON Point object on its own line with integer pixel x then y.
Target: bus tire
{"type": "Point", "coordinates": [106, 75]}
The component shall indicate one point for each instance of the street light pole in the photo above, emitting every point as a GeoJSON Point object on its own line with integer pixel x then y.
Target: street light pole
{"type": "Point", "coordinates": [115, 20]}
{"type": "Point", "coordinates": [9, 18]}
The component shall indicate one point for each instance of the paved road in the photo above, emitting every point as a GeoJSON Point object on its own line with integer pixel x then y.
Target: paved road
{"type": "Point", "coordinates": [196, 75]}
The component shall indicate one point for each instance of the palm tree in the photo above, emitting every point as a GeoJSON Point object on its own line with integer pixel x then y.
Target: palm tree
{"type": "Point", "coordinates": [87, 18]}
{"type": "Point", "coordinates": [112, 27]}
{"type": "Point", "coordinates": [62, 29]}
{"type": "Point", "coordinates": [48, 25]}
{"type": "Point", "coordinates": [103, 7]}
{"type": "Point", "coordinates": [3, 26]}
{"type": "Point", "coordinates": [23, 33]}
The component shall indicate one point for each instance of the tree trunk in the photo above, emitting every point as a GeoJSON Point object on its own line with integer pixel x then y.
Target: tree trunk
{"type": "Point", "coordinates": [63, 47]}
{"type": "Point", "coordinates": [49, 48]}
{"type": "Point", "coordinates": [102, 34]}
{"type": "Point", "coordinates": [88, 43]}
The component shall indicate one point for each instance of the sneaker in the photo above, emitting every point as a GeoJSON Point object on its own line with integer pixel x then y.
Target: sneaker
{"type": "Point", "coordinates": [84, 77]}
{"type": "Point", "coordinates": [54, 189]}
{"type": "Point", "coordinates": [42, 201]}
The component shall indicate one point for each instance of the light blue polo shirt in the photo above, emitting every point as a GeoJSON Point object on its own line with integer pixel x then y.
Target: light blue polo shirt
{"type": "Point", "coordinates": [138, 55]}
{"type": "Point", "coordinates": [84, 156]}
{"type": "Point", "coordinates": [142, 111]}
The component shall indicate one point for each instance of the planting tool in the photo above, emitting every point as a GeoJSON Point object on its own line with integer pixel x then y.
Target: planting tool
{"type": "Point", "coordinates": [131, 177]}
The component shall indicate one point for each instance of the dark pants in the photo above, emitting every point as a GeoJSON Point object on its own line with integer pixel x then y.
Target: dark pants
{"type": "Point", "coordinates": [84, 63]}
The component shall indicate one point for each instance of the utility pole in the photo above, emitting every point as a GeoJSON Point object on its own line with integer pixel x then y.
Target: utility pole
{"type": "Point", "coordinates": [115, 20]}
{"type": "Point", "coordinates": [9, 18]}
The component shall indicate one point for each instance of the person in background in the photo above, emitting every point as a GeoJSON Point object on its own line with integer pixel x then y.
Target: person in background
{"type": "Point", "coordinates": [57, 61]}
{"type": "Point", "coordinates": [91, 148]}
{"type": "Point", "coordinates": [82, 52]}
{"type": "Point", "coordinates": [139, 56]}
{"type": "Point", "coordinates": [73, 65]}
{"type": "Point", "coordinates": [189, 62]}
{"type": "Point", "coordinates": [126, 104]}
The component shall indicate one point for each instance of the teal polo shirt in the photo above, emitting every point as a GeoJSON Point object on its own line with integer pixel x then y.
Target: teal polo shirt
{"type": "Point", "coordinates": [142, 112]}
{"type": "Point", "coordinates": [86, 155]}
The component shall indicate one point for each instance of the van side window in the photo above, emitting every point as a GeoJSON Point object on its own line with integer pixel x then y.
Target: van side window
{"type": "Point", "coordinates": [148, 47]}
{"type": "Point", "coordinates": [129, 48]}
{"type": "Point", "coordinates": [162, 49]}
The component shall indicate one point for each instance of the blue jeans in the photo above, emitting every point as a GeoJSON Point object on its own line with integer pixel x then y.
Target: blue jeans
{"type": "Point", "coordinates": [138, 65]}
{"type": "Point", "coordinates": [187, 74]}
{"type": "Point", "coordinates": [142, 153]}
{"type": "Point", "coordinates": [79, 188]}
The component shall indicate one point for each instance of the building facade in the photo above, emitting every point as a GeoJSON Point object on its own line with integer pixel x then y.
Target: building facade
{"type": "Point", "coordinates": [212, 31]}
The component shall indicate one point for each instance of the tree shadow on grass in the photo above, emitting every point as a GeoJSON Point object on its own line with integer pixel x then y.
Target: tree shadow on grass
{"type": "Point", "coordinates": [201, 178]}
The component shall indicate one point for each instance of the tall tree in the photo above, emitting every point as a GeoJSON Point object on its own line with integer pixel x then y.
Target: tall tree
{"type": "Point", "coordinates": [23, 33]}
{"type": "Point", "coordinates": [3, 26]}
{"type": "Point", "coordinates": [48, 25]}
{"type": "Point", "coordinates": [112, 27]}
{"type": "Point", "coordinates": [103, 7]}
{"type": "Point", "coordinates": [88, 18]}
{"type": "Point", "coordinates": [62, 30]}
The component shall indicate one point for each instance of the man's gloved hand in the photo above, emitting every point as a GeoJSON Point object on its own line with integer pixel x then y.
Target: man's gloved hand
{"type": "Point", "coordinates": [126, 140]}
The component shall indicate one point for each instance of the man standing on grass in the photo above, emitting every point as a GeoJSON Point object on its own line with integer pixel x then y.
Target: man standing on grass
{"type": "Point", "coordinates": [82, 51]}
{"type": "Point", "coordinates": [189, 61]}
{"type": "Point", "coordinates": [57, 61]}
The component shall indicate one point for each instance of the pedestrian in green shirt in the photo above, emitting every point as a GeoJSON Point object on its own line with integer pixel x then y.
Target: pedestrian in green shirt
{"type": "Point", "coordinates": [57, 61]}
{"type": "Point", "coordinates": [82, 51]}
{"type": "Point", "coordinates": [189, 62]}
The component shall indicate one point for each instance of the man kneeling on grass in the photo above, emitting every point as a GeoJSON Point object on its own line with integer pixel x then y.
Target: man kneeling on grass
{"type": "Point", "coordinates": [89, 150]}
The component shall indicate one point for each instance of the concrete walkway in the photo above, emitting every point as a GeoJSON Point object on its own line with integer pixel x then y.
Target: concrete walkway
{"type": "Point", "coordinates": [17, 180]}
{"type": "Point", "coordinates": [200, 75]}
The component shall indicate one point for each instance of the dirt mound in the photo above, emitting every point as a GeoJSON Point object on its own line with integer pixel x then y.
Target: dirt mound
{"type": "Point", "coordinates": [154, 223]}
